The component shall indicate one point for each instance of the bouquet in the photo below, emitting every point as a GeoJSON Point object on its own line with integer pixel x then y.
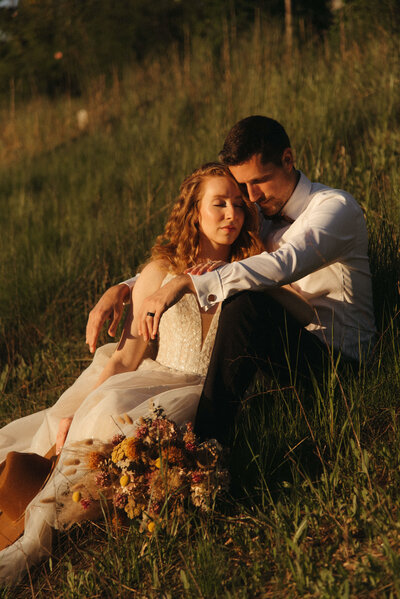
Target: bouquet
{"type": "Point", "coordinates": [152, 475]}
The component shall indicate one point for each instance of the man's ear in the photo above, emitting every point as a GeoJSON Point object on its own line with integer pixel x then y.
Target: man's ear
{"type": "Point", "coordinates": [287, 160]}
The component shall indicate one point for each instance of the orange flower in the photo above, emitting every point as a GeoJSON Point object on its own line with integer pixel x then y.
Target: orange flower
{"type": "Point", "coordinates": [58, 55]}
{"type": "Point", "coordinates": [133, 448]}
{"type": "Point", "coordinates": [95, 460]}
{"type": "Point", "coordinates": [173, 455]}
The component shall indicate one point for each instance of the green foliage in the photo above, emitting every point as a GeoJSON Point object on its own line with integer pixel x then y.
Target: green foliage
{"type": "Point", "coordinates": [52, 46]}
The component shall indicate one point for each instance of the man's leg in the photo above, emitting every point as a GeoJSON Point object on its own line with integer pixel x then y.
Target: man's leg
{"type": "Point", "coordinates": [254, 332]}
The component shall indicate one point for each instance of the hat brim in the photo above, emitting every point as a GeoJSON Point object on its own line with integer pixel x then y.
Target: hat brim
{"type": "Point", "coordinates": [11, 530]}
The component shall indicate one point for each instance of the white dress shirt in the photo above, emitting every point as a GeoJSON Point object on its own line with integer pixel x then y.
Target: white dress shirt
{"type": "Point", "coordinates": [323, 254]}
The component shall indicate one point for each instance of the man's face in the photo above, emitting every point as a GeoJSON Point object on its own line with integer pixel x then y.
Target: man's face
{"type": "Point", "coordinates": [269, 185]}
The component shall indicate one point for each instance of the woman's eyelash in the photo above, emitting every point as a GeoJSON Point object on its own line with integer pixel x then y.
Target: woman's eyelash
{"type": "Point", "coordinates": [223, 205]}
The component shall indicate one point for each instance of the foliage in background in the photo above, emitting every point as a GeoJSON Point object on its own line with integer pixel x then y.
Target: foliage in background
{"type": "Point", "coordinates": [314, 508]}
{"type": "Point", "coordinates": [57, 46]}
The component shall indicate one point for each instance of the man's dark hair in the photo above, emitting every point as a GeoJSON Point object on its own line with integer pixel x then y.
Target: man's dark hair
{"type": "Point", "coordinates": [255, 135]}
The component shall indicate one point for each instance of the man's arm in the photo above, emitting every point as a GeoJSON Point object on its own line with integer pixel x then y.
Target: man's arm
{"type": "Point", "coordinates": [131, 347]}
{"type": "Point", "coordinates": [324, 237]}
{"type": "Point", "coordinates": [109, 307]}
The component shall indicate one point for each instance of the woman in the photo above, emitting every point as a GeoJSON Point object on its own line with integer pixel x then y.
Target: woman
{"type": "Point", "coordinates": [211, 221]}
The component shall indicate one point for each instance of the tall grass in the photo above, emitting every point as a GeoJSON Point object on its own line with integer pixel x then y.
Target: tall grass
{"type": "Point", "coordinates": [314, 506]}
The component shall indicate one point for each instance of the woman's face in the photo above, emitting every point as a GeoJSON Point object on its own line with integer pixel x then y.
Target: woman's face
{"type": "Point", "coordinates": [221, 212]}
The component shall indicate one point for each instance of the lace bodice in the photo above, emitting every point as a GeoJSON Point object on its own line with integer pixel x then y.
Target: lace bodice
{"type": "Point", "coordinates": [180, 336]}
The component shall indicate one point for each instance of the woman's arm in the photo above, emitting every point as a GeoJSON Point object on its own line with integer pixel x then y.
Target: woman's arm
{"type": "Point", "coordinates": [294, 303]}
{"type": "Point", "coordinates": [132, 346]}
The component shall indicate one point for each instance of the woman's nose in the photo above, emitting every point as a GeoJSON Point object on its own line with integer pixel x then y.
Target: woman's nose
{"type": "Point", "coordinates": [229, 212]}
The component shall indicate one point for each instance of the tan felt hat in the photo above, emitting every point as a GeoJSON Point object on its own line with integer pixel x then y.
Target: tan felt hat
{"type": "Point", "coordinates": [22, 476]}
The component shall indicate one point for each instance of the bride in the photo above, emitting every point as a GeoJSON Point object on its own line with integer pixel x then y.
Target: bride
{"type": "Point", "coordinates": [211, 221]}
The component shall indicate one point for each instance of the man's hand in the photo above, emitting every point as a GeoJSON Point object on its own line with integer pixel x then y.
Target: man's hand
{"type": "Point", "coordinates": [202, 267]}
{"type": "Point", "coordinates": [154, 306]}
{"type": "Point", "coordinates": [110, 306]}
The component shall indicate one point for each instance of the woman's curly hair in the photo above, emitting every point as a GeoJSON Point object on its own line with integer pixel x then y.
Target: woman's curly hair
{"type": "Point", "coordinates": [180, 242]}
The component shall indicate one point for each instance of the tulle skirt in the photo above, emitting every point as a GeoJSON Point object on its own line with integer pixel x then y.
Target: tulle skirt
{"type": "Point", "coordinates": [111, 409]}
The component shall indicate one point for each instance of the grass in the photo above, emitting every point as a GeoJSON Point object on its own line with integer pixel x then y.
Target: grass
{"type": "Point", "coordinates": [313, 510]}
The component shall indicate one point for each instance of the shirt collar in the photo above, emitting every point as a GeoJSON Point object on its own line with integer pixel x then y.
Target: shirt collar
{"type": "Point", "coordinates": [299, 199]}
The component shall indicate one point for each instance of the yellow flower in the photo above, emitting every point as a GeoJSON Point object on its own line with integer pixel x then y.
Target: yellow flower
{"type": "Point", "coordinates": [118, 452]}
{"type": "Point", "coordinates": [157, 463]}
{"type": "Point", "coordinates": [124, 480]}
{"type": "Point", "coordinates": [76, 496]}
{"type": "Point", "coordinates": [151, 526]}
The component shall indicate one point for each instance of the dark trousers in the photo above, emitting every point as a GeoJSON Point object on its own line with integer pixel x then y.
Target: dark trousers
{"type": "Point", "coordinates": [254, 333]}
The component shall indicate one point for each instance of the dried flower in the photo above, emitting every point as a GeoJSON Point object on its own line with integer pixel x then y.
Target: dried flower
{"type": "Point", "coordinates": [197, 477]}
{"type": "Point", "coordinates": [120, 500]}
{"type": "Point", "coordinates": [173, 455]}
{"type": "Point", "coordinates": [124, 480]}
{"type": "Point", "coordinates": [133, 449]}
{"type": "Point", "coordinates": [129, 469]}
{"type": "Point", "coordinates": [118, 453]}
{"type": "Point", "coordinates": [116, 440]}
{"type": "Point", "coordinates": [85, 503]}
{"type": "Point", "coordinates": [102, 479]}
{"type": "Point", "coordinates": [95, 460]}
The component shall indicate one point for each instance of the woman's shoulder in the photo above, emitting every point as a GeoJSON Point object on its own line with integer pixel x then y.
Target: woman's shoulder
{"type": "Point", "coordinates": [159, 266]}
{"type": "Point", "coordinates": [154, 273]}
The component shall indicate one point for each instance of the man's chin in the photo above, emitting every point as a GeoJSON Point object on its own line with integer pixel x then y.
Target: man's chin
{"type": "Point", "coordinates": [269, 213]}
{"type": "Point", "coordinates": [267, 209]}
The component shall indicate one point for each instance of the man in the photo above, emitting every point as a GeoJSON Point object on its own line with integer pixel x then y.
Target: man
{"type": "Point", "coordinates": [317, 242]}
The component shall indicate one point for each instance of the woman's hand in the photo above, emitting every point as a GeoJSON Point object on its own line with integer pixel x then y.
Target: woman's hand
{"type": "Point", "coordinates": [62, 433]}
{"type": "Point", "coordinates": [154, 306]}
{"type": "Point", "coordinates": [203, 267]}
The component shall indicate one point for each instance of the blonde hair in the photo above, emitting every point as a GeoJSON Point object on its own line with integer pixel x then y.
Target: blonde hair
{"type": "Point", "coordinates": [180, 244]}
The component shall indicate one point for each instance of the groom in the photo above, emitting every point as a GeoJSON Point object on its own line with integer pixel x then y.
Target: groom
{"type": "Point", "coordinates": [316, 240]}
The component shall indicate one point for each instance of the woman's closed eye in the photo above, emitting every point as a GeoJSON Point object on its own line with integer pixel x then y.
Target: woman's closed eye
{"type": "Point", "coordinates": [224, 205]}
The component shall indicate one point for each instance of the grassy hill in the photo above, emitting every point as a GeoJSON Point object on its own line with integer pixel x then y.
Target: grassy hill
{"type": "Point", "coordinates": [314, 507]}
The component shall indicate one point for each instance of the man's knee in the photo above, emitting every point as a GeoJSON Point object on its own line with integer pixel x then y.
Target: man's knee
{"type": "Point", "coordinates": [246, 305]}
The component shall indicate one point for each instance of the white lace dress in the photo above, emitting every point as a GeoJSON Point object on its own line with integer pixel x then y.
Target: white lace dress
{"type": "Point", "coordinates": [174, 381]}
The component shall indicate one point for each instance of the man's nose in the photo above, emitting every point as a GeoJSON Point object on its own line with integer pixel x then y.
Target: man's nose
{"type": "Point", "coordinates": [254, 192]}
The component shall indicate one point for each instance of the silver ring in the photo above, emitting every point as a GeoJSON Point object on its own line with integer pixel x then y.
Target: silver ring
{"type": "Point", "coordinates": [152, 314]}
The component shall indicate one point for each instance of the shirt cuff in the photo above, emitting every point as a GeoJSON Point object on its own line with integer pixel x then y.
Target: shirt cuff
{"type": "Point", "coordinates": [208, 288]}
{"type": "Point", "coordinates": [130, 282]}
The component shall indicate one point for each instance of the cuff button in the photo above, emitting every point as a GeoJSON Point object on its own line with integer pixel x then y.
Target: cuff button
{"type": "Point", "coordinates": [211, 297]}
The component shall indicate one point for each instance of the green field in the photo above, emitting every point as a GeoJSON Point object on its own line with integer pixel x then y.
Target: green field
{"type": "Point", "coordinates": [315, 504]}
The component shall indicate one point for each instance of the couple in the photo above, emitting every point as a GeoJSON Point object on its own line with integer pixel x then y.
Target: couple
{"type": "Point", "coordinates": [318, 244]}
